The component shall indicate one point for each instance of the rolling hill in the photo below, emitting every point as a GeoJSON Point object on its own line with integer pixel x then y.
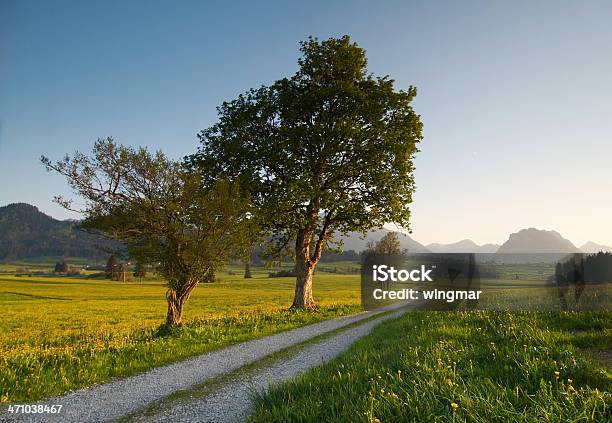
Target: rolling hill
{"type": "Point", "coordinates": [27, 232]}
{"type": "Point", "coordinates": [536, 241]}
{"type": "Point", "coordinates": [464, 246]}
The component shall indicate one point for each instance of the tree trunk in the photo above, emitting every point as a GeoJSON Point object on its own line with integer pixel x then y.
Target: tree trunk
{"type": "Point", "coordinates": [303, 288]}
{"type": "Point", "coordinates": [304, 269]}
{"type": "Point", "coordinates": [175, 307]}
{"type": "Point", "coordinates": [177, 296]}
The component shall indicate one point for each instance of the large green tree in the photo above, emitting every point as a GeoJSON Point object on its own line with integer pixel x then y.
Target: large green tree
{"type": "Point", "coordinates": [162, 211]}
{"type": "Point", "coordinates": [328, 150]}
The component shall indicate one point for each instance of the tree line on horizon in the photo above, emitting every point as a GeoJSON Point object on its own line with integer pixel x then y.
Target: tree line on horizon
{"type": "Point", "coordinates": [26, 232]}
{"type": "Point", "coordinates": [325, 151]}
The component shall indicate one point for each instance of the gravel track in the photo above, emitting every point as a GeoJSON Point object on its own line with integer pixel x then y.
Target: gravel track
{"type": "Point", "coordinates": [232, 401]}
{"type": "Point", "coordinates": [121, 397]}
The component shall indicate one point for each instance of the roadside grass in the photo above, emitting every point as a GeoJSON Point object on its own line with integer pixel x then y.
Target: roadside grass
{"type": "Point", "coordinates": [478, 366]}
{"type": "Point", "coordinates": [209, 386]}
{"type": "Point", "coordinates": [62, 333]}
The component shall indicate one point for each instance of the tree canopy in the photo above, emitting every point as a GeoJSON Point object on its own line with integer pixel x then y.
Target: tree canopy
{"type": "Point", "coordinates": [388, 244]}
{"type": "Point", "coordinates": [329, 149]}
{"type": "Point", "coordinates": [163, 213]}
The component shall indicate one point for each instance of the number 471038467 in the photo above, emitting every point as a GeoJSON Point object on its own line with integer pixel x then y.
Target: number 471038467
{"type": "Point", "coordinates": [34, 408]}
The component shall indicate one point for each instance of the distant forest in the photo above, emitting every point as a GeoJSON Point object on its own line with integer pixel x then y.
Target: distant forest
{"type": "Point", "coordinates": [582, 268]}
{"type": "Point", "coordinates": [27, 232]}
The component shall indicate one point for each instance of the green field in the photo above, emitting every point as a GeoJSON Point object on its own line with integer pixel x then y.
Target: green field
{"type": "Point", "coordinates": [477, 366]}
{"type": "Point", "coordinates": [60, 333]}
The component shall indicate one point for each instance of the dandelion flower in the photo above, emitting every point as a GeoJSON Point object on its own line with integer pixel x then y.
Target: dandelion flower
{"type": "Point", "coordinates": [556, 374]}
{"type": "Point", "coordinates": [454, 406]}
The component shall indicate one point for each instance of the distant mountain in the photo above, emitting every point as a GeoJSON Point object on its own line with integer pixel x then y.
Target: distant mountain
{"type": "Point", "coordinates": [27, 232]}
{"type": "Point", "coordinates": [355, 241]}
{"type": "Point", "coordinates": [537, 241]}
{"type": "Point", "coordinates": [592, 247]}
{"type": "Point", "coordinates": [464, 246]}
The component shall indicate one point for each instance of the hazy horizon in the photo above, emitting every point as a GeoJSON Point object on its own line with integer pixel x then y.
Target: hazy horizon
{"type": "Point", "coordinates": [395, 228]}
{"type": "Point", "coordinates": [514, 97]}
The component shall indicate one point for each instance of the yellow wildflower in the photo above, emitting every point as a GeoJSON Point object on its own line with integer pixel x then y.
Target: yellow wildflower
{"type": "Point", "coordinates": [454, 406]}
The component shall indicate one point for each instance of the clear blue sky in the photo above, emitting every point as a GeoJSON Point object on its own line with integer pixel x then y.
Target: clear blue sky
{"type": "Point", "coordinates": [515, 97]}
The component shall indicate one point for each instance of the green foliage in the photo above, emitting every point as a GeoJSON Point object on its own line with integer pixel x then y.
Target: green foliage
{"type": "Point", "coordinates": [456, 366]}
{"type": "Point", "coordinates": [161, 211]}
{"type": "Point", "coordinates": [327, 150]}
{"type": "Point", "coordinates": [591, 268]}
{"type": "Point", "coordinates": [62, 267]}
{"type": "Point", "coordinates": [140, 270]}
{"type": "Point", "coordinates": [388, 244]}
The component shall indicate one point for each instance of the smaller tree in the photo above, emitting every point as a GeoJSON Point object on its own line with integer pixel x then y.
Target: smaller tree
{"type": "Point", "coordinates": [164, 213]}
{"type": "Point", "coordinates": [122, 272]}
{"type": "Point", "coordinates": [140, 270]}
{"type": "Point", "coordinates": [388, 244]}
{"type": "Point", "coordinates": [247, 271]}
{"type": "Point", "coordinates": [62, 267]}
{"type": "Point", "coordinates": [111, 266]}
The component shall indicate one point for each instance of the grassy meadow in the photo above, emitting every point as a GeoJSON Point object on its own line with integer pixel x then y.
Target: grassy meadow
{"type": "Point", "coordinates": [62, 333]}
{"type": "Point", "coordinates": [478, 366]}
